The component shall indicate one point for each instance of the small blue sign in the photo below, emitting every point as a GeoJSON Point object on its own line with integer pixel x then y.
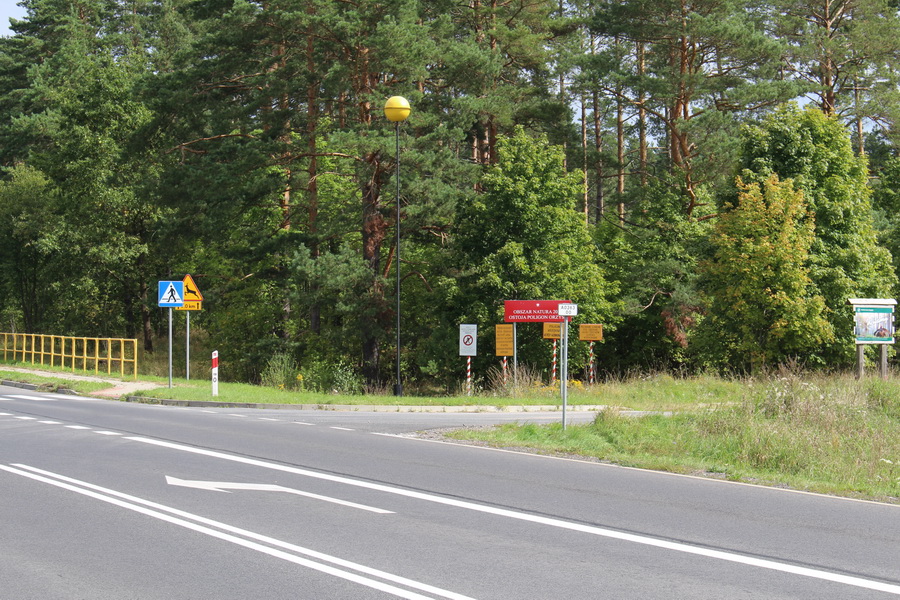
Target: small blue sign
{"type": "Point", "coordinates": [171, 294]}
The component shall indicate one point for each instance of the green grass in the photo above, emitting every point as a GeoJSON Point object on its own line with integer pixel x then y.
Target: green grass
{"type": "Point", "coordinates": [657, 392]}
{"type": "Point", "coordinates": [52, 384]}
{"type": "Point", "coordinates": [826, 434]}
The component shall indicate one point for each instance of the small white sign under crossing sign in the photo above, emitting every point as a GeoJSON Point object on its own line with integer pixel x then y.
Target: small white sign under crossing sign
{"type": "Point", "coordinates": [568, 310]}
{"type": "Point", "coordinates": [468, 340]}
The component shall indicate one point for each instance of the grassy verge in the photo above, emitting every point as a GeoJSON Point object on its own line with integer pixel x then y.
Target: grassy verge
{"type": "Point", "coordinates": [826, 434]}
{"type": "Point", "coordinates": [52, 384]}
{"type": "Point", "coordinates": [651, 393]}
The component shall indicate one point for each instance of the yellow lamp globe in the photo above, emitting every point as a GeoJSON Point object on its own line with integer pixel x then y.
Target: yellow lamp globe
{"type": "Point", "coordinates": [396, 109]}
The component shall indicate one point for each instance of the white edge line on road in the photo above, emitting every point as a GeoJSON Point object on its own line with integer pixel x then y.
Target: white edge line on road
{"type": "Point", "coordinates": [415, 438]}
{"type": "Point", "coordinates": [559, 523]}
{"type": "Point", "coordinates": [342, 428]}
{"type": "Point", "coordinates": [153, 509]}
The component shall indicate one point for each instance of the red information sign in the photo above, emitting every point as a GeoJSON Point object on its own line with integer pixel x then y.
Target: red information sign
{"type": "Point", "coordinates": [532, 311]}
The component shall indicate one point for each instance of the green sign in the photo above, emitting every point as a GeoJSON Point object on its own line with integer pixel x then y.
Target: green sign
{"type": "Point", "coordinates": [874, 324]}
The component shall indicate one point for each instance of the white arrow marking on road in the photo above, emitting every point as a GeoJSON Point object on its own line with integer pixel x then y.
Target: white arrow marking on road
{"type": "Point", "coordinates": [224, 486]}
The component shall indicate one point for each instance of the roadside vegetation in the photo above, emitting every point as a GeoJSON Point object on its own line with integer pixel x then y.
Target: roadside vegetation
{"type": "Point", "coordinates": [829, 434]}
{"type": "Point", "coordinates": [824, 433]}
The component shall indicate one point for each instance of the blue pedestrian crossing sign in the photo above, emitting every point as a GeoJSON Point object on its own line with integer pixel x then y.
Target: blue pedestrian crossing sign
{"type": "Point", "coordinates": [171, 294]}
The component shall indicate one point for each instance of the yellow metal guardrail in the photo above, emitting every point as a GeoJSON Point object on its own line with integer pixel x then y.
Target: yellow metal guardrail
{"type": "Point", "coordinates": [59, 350]}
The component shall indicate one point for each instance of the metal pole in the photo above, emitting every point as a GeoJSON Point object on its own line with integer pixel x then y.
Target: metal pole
{"type": "Point", "coordinates": [170, 347]}
{"type": "Point", "coordinates": [398, 387]}
{"type": "Point", "coordinates": [187, 348]}
{"type": "Point", "coordinates": [515, 359]}
{"type": "Point", "coordinates": [564, 379]}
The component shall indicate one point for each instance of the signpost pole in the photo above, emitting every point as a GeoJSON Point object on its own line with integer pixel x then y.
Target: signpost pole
{"type": "Point", "coordinates": [170, 347]}
{"type": "Point", "coordinates": [515, 360]}
{"type": "Point", "coordinates": [591, 363]}
{"type": "Point", "coordinates": [187, 349]}
{"type": "Point", "coordinates": [564, 379]}
{"type": "Point", "coordinates": [553, 364]}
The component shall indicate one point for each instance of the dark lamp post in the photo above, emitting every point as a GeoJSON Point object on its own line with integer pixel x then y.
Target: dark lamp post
{"type": "Point", "coordinates": [396, 109]}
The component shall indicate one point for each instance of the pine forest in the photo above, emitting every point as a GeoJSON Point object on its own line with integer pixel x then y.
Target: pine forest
{"type": "Point", "coordinates": [710, 180]}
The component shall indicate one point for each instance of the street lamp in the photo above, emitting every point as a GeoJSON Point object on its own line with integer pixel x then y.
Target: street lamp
{"type": "Point", "coordinates": [396, 109]}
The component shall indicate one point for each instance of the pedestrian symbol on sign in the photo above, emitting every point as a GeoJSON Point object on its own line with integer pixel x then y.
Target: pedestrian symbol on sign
{"type": "Point", "coordinates": [171, 294]}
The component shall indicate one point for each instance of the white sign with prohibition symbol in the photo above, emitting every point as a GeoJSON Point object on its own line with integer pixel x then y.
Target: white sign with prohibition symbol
{"type": "Point", "coordinates": [468, 340]}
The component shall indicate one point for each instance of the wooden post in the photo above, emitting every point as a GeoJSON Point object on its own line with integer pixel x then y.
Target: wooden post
{"type": "Point", "coordinates": [883, 365]}
{"type": "Point", "coordinates": [860, 360]}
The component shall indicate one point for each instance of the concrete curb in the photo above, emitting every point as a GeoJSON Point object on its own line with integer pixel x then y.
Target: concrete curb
{"type": "Point", "coordinates": [364, 408]}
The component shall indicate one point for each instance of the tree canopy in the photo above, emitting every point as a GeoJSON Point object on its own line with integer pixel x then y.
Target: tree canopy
{"type": "Point", "coordinates": [578, 150]}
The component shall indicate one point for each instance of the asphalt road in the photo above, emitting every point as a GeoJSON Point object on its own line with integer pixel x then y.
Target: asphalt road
{"type": "Point", "coordinates": [107, 500]}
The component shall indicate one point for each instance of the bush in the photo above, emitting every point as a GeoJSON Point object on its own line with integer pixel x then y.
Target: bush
{"type": "Point", "coordinates": [340, 377]}
{"type": "Point", "coordinates": [281, 372]}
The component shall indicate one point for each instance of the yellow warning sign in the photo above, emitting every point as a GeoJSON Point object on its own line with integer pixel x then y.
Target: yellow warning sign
{"type": "Point", "coordinates": [193, 299]}
{"type": "Point", "coordinates": [191, 291]}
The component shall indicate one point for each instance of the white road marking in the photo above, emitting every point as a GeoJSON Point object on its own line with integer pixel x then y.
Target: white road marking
{"type": "Point", "coordinates": [236, 415]}
{"type": "Point", "coordinates": [6, 414]}
{"type": "Point", "coordinates": [158, 511]}
{"type": "Point", "coordinates": [107, 433]}
{"type": "Point", "coordinates": [224, 486]}
{"type": "Point", "coordinates": [51, 422]}
{"type": "Point", "coordinates": [559, 523]}
{"type": "Point", "coordinates": [27, 418]}
{"type": "Point", "coordinates": [343, 429]}
{"type": "Point", "coordinates": [268, 419]}
{"type": "Point", "coordinates": [35, 398]}
{"type": "Point", "coordinates": [76, 427]}
{"type": "Point", "coordinates": [302, 423]}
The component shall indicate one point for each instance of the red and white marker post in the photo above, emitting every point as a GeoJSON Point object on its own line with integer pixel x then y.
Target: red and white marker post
{"type": "Point", "coordinates": [591, 363]}
{"type": "Point", "coordinates": [215, 373]}
{"type": "Point", "coordinates": [553, 366]}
